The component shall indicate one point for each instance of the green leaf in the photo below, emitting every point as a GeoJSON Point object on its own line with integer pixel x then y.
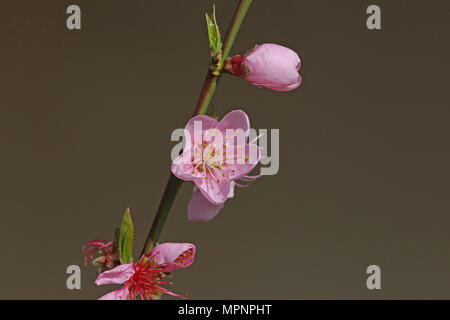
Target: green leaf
{"type": "Point", "coordinates": [117, 234]}
{"type": "Point", "coordinates": [126, 238]}
{"type": "Point", "coordinates": [215, 39]}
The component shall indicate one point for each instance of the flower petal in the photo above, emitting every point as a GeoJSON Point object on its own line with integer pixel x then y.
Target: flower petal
{"type": "Point", "coordinates": [236, 119]}
{"type": "Point", "coordinates": [118, 275]}
{"type": "Point", "coordinates": [250, 159]}
{"type": "Point", "coordinates": [290, 87]}
{"type": "Point", "coordinates": [216, 191]}
{"type": "Point", "coordinates": [194, 133]}
{"type": "Point", "coordinates": [181, 168]}
{"type": "Point", "coordinates": [120, 294]}
{"type": "Point", "coordinates": [201, 209]}
{"type": "Point", "coordinates": [173, 256]}
{"type": "Point", "coordinates": [206, 124]}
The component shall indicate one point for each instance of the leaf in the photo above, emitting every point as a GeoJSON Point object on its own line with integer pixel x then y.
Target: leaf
{"type": "Point", "coordinates": [116, 234]}
{"type": "Point", "coordinates": [215, 39]}
{"type": "Point", "coordinates": [126, 238]}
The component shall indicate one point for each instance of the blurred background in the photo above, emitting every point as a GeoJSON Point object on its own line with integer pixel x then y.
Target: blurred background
{"type": "Point", "coordinates": [86, 118]}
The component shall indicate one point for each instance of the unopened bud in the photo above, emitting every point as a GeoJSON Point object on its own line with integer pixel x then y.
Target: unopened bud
{"type": "Point", "coordinates": [268, 65]}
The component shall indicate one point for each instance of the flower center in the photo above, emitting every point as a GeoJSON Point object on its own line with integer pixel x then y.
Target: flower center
{"type": "Point", "coordinates": [209, 161]}
{"type": "Point", "coordinates": [146, 281]}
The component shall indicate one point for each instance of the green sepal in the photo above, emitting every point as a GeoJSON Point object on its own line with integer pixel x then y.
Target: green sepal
{"type": "Point", "coordinates": [126, 238]}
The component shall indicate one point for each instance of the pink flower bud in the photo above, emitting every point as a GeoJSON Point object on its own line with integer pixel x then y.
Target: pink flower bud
{"type": "Point", "coordinates": [269, 65]}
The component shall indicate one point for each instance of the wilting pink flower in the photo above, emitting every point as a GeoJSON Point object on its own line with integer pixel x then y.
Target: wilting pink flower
{"type": "Point", "coordinates": [214, 156]}
{"type": "Point", "coordinates": [143, 279]}
{"type": "Point", "coordinates": [109, 254]}
{"type": "Point", "coordinates": [269, 65]}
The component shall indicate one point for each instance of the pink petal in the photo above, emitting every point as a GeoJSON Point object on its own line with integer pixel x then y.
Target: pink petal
{"type": "Point", "coordinates": [181, 169]}
{"type": "Point", "coordinates": [237, 170]}
{"type": "Point", "coordinates": [200, 209]}
{"type": "Point", "coordinates": [120, 294]}
{"type": "Point", "coordinates": [182, 166]}
{"type": "Point", "coordinates": [206, 124]}
{"type": "Point", "coordinates": [289, 87]}
{"type": "Point", "coordinates": [215, 192]}
{"type": "Point", "coordinates": [236, 119]}
{"type": "Point", "coordinates": [118, 275]}
{"type": "Point", "coordinates": [174, 255]}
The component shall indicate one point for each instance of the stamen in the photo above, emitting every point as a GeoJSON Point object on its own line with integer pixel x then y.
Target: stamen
{"type": "Point", "coordinates": [147, 279]}
{"type": "Point", "coordinates": [94, 246]}
{"type": "Point", "coordinates": [240, 185]}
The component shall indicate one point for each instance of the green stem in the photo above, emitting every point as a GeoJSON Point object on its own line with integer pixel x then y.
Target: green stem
{"type": "Point", "coordinates": [209, 87]}
{"type": "Point", "coordinates": [172, 188]}
{"type": "Point", "coordinates": [235, 25]}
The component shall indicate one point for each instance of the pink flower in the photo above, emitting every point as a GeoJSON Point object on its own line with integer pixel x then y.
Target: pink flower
{"type": "Point", "coordinates": [143, 279]}
{"type": "Point", "coordinates": [214, 156]}
{"type": "Point", "coordinates": [269, 65]}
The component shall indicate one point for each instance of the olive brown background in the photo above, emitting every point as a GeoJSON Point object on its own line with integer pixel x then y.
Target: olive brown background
{"type": "Point", "coordinates": [86, 118]}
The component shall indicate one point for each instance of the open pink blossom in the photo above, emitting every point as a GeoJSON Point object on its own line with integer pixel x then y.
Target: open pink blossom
{"type": "Point", "coordinates": [143, 279]}
{"type": "Point", "coordinates": [269, 65]}
{"type": "Point", "coordinates": [215, 154]}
